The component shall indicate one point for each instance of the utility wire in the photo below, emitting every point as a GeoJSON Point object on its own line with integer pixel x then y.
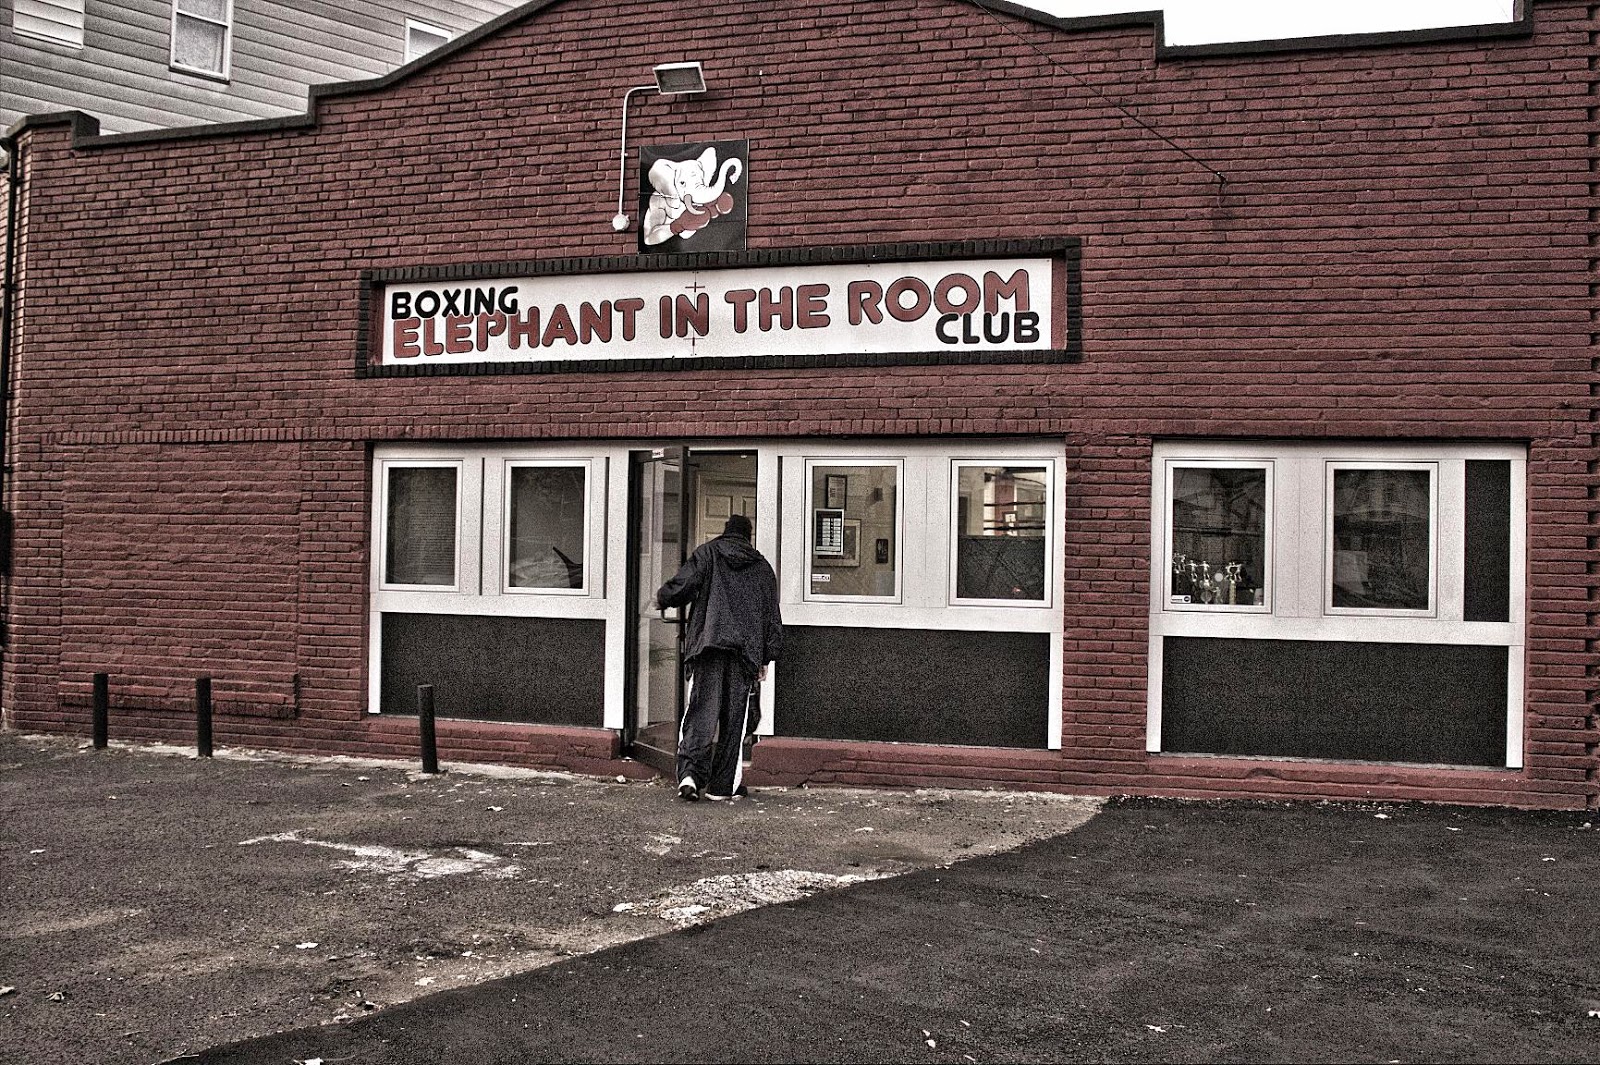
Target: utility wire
{"type": "Point", "coordinates": [1222, 178]}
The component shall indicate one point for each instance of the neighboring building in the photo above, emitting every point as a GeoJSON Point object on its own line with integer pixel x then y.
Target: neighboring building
{"type": "Point", "coordinates": [1208, 421]}
{"type": "Point", "coordinates": [147, 64]}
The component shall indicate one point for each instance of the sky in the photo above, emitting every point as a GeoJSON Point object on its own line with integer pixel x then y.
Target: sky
{"type": "Point", "coordinates": [1210, 21]}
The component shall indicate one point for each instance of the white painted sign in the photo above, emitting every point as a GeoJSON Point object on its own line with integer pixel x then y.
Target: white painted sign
{"type": "Point", "coordinates": [961, 305]}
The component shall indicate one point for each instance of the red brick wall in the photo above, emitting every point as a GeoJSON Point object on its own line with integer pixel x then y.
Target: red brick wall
{"type": "Point", "coordinates": [1403, 248]}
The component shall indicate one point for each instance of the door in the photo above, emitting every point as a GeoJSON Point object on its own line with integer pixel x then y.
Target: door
{"type": "Point", "coordinates": [657, 545]}
{"type": "Point", "coordinates": [677, 500]}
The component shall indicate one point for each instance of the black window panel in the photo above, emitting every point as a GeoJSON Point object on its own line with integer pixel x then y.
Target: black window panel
{"type": "Point", "coordinates": [548, 671]}
{"type": "Point", "coordinates": [1381, 702]}
{"type": "Point", "coordinates": [1487, 591]}
{"type": "Point", "coordinates": [988, 689]}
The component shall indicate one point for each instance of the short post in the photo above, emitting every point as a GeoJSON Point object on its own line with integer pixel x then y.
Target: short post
{"type": "Point", "coordinates": [430, 747]}
{"type": "Point", "coordinates": [202, 715]}
{"type": "Point", "coordinates": [101, 708]}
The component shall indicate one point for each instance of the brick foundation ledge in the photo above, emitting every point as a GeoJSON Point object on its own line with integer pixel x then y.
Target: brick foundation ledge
{"type": "Point", "coordinates": [784, 761]}
{"type": "Point", "coordinates": [567, 748]}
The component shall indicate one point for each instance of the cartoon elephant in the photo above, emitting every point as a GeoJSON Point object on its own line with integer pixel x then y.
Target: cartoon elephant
{"type": "Point", "coordinates": [685, 198]}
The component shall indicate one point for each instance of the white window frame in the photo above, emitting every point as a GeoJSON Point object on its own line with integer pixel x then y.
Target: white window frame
{"type": "Point", "coordinates": [1300, 531]}
{"type": "Point", "coordinates": [1432, 608]}
{"type": "Point", "coordinates": [56, 21]}
{"type": "Point", "coordinates": [227, 43]}
{"type": "Point", "coordinates": [510, 464]}
{"type": "Point", "coordinates": [480, 559]}
{"type": "Point", "coordinates": [1051, 540]}
{"type": "Point", "coordinates": [1165, 541]}
{"type": "Point", "coordinates": [423, 27]}
{"type": "Point", "coordinates": [899, 466]}
{"type": "Point", "coordinates": [385, 466]}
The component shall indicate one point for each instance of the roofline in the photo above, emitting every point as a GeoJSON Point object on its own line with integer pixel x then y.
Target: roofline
{"type": "Point", "coordinates": [86, 129]}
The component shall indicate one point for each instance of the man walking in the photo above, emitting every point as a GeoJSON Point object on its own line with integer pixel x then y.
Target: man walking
{"type": "Point", "coordinates": [734, 630]}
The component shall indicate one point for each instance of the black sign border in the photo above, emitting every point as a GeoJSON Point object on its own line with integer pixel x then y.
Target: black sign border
{"type": "Point", "coordinates": [1067, 249]}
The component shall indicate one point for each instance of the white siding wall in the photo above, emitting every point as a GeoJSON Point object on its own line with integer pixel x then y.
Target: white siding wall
{"type": "Point", "coordinates": [121, 73]}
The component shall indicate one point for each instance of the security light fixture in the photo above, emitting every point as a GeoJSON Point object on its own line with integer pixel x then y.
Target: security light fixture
{"type": "Point", "coordinates": [680, 79]}
{"type": "Point", "coordinates": [672, 79]}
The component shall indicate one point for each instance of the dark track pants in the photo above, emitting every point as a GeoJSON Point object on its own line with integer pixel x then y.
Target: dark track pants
{"type": "Point", "coordinates": [711, 738]}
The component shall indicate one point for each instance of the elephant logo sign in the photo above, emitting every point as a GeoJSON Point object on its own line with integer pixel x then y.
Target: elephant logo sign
{"type": "Point", "coordinates": [694, 200]}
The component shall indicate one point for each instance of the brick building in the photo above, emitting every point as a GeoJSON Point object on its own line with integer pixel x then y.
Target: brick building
{"type": "Point", "coordinates": [1208, 420]}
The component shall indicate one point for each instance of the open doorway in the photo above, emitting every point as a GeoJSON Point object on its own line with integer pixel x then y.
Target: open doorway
{"type": "Point", "coordinates": [678, 500]}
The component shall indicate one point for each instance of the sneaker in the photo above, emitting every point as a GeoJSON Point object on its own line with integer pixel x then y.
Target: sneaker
{"type": "Point", "coordinates": [688, 790]}
{"type": "Point", "coordinates": [740, 792]}
{"type": "Point", "coordinates": [714, 797]}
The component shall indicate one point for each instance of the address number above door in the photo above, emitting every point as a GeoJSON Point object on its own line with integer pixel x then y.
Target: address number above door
{"type": "Point", "coordinates": [989, 302]}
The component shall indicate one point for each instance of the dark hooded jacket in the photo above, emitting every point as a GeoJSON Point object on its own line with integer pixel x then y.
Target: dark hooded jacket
{"type": "Point", "coordinates": [732, 595]}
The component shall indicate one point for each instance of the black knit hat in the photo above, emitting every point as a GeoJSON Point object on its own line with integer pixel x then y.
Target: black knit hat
{"type": "Point", "coordinates": [738, 525]}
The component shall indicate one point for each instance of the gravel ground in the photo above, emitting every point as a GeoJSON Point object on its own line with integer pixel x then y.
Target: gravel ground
{"type": "Point", "coordinates": [158, 904]}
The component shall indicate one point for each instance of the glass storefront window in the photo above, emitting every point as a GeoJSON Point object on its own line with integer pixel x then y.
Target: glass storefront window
{"type": "Point", "coordinates": [548, 524]}
{"type": "Point", "coordinates": [1001, 532]}
{"type": "Point", "coordinates": [1382, 538]}
{"type": "Point", "coordinates": [854, 534]}
{"type": "Point", "coordinates": [1217, 536]}
{"type": "Point", "coordinates": [420, 525]}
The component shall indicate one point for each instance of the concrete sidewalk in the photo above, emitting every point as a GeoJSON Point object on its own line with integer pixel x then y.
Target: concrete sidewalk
{"type": "Point", "coordinates": [158, 904]}
{"type": "Point", "coordinates": [1159, 931]}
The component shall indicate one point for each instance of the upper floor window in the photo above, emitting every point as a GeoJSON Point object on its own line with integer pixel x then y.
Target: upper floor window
{"type": "Point", "coordinates": [58, 21]}
{"type": "Point", "coordinates": [422, 38]}
{"type": "Point", "coordinates": [202, 32]}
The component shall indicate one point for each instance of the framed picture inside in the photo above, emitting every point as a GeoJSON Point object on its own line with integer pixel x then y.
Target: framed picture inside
{"type": "Point", "coordinates": [836, 488]}
{"type": "Point", "coordinates": [849, 553]}
{"type": "Point", "coordinates": [827, 534]}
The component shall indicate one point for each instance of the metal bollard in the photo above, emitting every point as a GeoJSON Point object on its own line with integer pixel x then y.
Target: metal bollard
{"type": "Point", "coordinates": [430, 747]}
{"type": "Point", "coordinates": [202, 715]}
{"type": "Point", "coordinates": [101, 709]}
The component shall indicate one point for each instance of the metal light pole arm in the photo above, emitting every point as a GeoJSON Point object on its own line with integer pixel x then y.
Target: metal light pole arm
{"type": "Point", "coordinates": [621, 221]}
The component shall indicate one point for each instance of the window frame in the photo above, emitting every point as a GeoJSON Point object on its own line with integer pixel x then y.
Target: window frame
{"type": "Point", "coordinates": [1301, 527]}
{"type": "Point", "coordinates": [384, 466]}
{"type": "Point", "coordinates": [898, 464]}
{"type": "Point", "coordinates": [1269, 559]}
{"type": "Point", "coordinates": [418, 25]}
{"type": "Point", "coordinates": [1332, 467]}
{"type": "Point", "coordinates": [507, 466]}
{"type": "Point", "coordinates": [1051, 505]}
{"type": "Point", "coordinates": [225, 74]}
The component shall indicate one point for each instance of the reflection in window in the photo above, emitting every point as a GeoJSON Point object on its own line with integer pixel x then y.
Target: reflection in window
{"type": "Point", "coordinates": [1382, 539]}
{"type": "Point", "coordinates": [548, 526]}
{"type": "Point", "coordinates": [1218, 536]}
{"type": "Point", "coordinates": [1000, 532]}
{"type": "Point", "coordinates": [853, 548]}
{"type": "Point", "coordinates": [420, 545]}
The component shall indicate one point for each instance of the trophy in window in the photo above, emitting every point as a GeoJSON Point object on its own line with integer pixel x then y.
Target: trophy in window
{"type": "Point", "coordinates": [1233, 575]}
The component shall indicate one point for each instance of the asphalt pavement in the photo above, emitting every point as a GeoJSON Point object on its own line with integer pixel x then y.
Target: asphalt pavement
{"type": "Point", "coordinates": [1158, 931]}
